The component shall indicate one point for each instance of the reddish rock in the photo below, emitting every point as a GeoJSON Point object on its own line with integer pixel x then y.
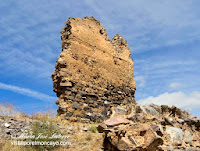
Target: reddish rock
{"type": "Point", "coordinates": [114, 121]}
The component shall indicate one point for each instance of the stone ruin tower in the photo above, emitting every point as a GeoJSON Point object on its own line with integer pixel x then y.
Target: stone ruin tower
{"type": "Point", "coordinates": [93, 75]}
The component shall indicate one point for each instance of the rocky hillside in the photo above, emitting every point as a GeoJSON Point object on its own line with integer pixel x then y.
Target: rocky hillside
{"type": "Point", "coordinates": [92, 73]}
{"type": "Point", "coordinates": [152, 128]}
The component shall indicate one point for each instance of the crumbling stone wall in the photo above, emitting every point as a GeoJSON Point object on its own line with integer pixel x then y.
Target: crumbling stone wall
{"type": "Point", "coordinates": [92, 73]}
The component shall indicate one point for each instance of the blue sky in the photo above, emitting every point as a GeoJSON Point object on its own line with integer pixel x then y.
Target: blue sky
{"type": "Point", "coordinates": [164, 37]}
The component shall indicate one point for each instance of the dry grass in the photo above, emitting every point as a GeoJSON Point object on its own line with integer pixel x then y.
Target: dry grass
{"type": "Point", "coordinates": [5, 145]}
{"type": "Point", "coordinates": [89, 140]}
{"type": "Point", "coordinates": [47, 113]}
{"type": "Point", "coordinates": [80, 140]}
{"type": "Point", "coordinates": [7, 109]}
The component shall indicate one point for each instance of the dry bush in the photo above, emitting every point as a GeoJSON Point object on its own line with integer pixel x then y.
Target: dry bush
{"type": "Point", "coordinates": [48, 113]}
{"type": "Point", "coordinates": [7, 109]}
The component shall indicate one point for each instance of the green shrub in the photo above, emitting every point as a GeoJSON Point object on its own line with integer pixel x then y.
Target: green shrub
{"type": "Point", "coordinates": [47, 129]}
{"type": "Point", "coordinates": [93, 129]}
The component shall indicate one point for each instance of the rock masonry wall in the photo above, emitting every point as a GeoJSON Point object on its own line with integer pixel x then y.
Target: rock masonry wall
{"type": "Point", "coordinates": [92, 73]}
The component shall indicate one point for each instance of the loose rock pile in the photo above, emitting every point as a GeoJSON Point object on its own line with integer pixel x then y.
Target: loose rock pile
{"type": "Point", "coordinates": [92, 73]}
{"type": "Point", "coordinates": [10, 126]}
{"type": "Point", "coordinates": [151, 128]}
{"type": "Point", "coordinates": [14, 127]}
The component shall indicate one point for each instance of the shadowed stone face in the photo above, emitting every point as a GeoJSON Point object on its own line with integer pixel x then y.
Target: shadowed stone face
{"type": "Point", "coordinates": [92, 73]}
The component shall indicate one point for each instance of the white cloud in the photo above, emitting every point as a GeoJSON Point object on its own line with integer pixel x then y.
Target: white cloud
{"type": "Point", "coordinates": [140, 81]}
{"type": "Point", "coordinates": [175, 85]}
{"type": "Point", "coordinates": [179, 99]}
{"type": "Point", "coordinates": [28, 92]}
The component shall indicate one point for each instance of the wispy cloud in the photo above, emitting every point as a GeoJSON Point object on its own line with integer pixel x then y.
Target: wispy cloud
{"type": "Point", "coordinates": [175, 85]}
{"type": "Point", "coordinates": [140, 81]}
{"type": "Point", "coordinates": [28, 92]}
{"type": "Point", "coordinates": [163, 63]}
{"type": "Point", "coordinates": [25, 63]}
{"type": "Point", "coordinates": [161, 70]}
{"type": "Point", "coordinates": [152, 24]}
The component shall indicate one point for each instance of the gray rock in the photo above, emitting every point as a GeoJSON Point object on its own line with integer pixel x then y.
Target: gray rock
{"type": "Point", "coordinates": [168, 121]}
{"type": "Point", "coordinates": [158, 129]}
{"type": "Point", "coordinates": [136, 117]}
{"type": "Point", "coordinates": [8, 131]}
{"type": "Point", "coordinates": [120, 110]}
{"type": "Point", "coordinates": [104, 98]}
{"type": "Point", "coordinates": [180, 121]}
{"type": "Point", "coordinates": [139, 109]}
{"type": "Point", "coordinates": [187, 136]}
{"type": "Point", "coordinates": [190, 121]}
{"type": "Point", "coordinates": [81, 93]}
{"type": "Point", "coordinates": [176, 135]}
{"type": "Point", "coordinates": [150, 110]}
{"type": "Point", "coordinates": [198, 124]}
{"type": "Point", "coordinates": [146, 109]}
{"type": "Point", "coordinates": [76, 106]}
{"type": "Point", "coordinates": [68, 114]}
{"type": "Point", "coordinates": [156, 107]}
{"type": "Point", "coordinates": [168, 148]}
